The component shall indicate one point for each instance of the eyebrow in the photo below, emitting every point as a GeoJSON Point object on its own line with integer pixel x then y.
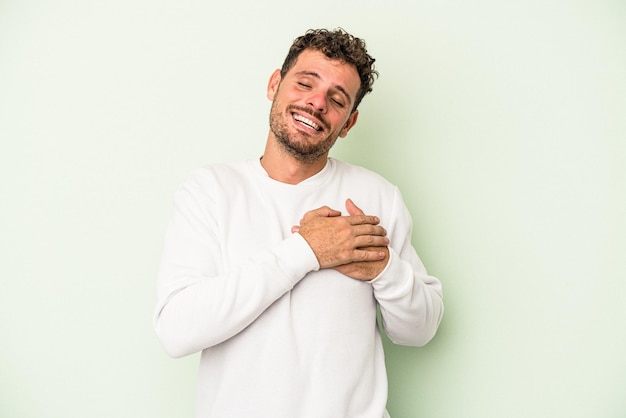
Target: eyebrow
{"type": "Point", "coordinates": [316, 75]}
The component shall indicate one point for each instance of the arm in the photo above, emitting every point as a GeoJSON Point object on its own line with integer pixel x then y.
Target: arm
{"type": "Point", "coordinates": [410, 300]}
{"type": "Point", "coordinates": [200, 302]}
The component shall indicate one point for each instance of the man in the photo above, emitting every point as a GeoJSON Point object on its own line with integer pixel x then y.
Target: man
{"type": "Point", "coordinates": [264, 275]}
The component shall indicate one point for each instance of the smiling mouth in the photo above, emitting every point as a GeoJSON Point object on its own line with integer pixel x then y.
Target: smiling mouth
{"type": "Point", "coordinates": [307, 122]}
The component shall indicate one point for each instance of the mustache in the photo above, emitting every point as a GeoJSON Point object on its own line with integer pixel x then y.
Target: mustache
{"type": "Point", "coordinates": [311, 112]}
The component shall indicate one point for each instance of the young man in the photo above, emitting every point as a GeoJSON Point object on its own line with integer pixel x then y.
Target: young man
{"type": "Point", "coordinates": [263, 273]}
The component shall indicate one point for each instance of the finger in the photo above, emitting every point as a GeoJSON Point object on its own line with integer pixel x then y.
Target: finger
{"type": "Point", "coordinates": [369, 254]}
{"type": "Point", "coordinates": [367, 229]}
{"type": "Point", "coordinates": [323, 212]}
{"type": "Point", "coordinates": [370, 241]}
{"type": "Point", "coordinates": [352, 208]}
{"type": "Point", "coordinates": [295, 229]}
{"type": "Point", "coordinates": [363, 219]}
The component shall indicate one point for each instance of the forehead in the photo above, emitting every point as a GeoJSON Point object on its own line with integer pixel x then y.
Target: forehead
{"type": "Point", "coordinates": [332, 71]}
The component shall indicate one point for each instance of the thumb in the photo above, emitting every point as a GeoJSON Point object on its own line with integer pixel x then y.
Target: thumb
{"type": "Point", "coordinates": [352, 208]}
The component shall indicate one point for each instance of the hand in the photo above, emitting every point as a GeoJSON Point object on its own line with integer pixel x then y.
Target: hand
{"type": "Point", "coordinates": [363, 270]}
{"type": "Point", "coordinates": [339, 240]}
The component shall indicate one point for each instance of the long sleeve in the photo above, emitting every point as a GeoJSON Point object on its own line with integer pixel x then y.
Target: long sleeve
{"type": "Point", "coordinates": [201, 303]}
{"type": "Point", "coordinates": [410, 300]}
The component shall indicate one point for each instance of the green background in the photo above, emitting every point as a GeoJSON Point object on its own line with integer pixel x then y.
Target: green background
{"type": "Point", "coordinates": [502, 122]}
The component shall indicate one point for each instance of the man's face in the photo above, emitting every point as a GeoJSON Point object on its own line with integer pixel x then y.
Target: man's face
{"type": "Point", "coordinates": [312, 105]}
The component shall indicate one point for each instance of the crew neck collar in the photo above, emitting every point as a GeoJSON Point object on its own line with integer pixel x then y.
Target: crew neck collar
{"type": "Point", "coordinates": [315, 180]}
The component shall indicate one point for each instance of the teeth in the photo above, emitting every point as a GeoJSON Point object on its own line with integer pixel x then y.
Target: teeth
{"type": "Point", "coordinates": [307, 121]}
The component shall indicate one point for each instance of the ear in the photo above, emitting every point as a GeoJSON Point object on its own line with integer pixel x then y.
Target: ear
{"type": "Point", "coordinates": [272, 85]}
{"type": "Point", "coordinates": [349, 124]}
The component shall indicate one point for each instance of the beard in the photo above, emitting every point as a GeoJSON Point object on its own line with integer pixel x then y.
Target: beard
{"type": "Point", "coordinates": [296, 143]}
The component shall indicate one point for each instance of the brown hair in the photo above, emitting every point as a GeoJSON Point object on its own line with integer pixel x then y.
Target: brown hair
{"type": "Point", "coordinates": [340, 45]}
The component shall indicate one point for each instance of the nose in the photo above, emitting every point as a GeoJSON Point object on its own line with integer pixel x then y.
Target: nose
{"type": "Point", "coordinates": [317, 100]}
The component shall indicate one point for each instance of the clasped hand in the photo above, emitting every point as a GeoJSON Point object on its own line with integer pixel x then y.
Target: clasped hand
{"type": "Point", "coordinates": [355, 245]}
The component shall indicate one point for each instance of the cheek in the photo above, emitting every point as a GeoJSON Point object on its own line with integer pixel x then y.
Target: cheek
{"type": "Point", "coordinates": [343, 123]}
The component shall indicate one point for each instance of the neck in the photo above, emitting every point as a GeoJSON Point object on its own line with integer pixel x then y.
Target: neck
{"type": "Point", "coordinates": [283, 167]}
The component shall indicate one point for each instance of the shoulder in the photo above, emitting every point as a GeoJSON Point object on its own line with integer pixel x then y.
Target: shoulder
{"type": "Point", "coordinates": [220, 173]}
{"type": "Point", "coordinates": [368, 188]}
{"type": "Point", "coordinates": [360, 174]}
{"type": "Point", "coordinates": [216, 179]}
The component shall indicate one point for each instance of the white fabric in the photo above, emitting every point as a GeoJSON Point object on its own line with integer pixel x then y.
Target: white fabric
{"type": "Point", "coordinates": [280, 337]}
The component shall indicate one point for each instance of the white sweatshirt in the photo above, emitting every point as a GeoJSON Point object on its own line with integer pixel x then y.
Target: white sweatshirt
{"type": "Point", "coordinates": [280, 337]}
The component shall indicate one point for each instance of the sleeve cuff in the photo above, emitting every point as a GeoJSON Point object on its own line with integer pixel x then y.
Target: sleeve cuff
{"type": "Point", "coordinates": [390, 280]}
{"type": "Point", "coordinates": [296, 257]}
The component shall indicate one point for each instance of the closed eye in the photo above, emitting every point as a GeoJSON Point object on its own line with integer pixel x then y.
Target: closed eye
{"type": "Point", "coordinates": [338, 103]}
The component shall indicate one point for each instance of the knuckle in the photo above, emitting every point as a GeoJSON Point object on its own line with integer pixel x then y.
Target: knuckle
{"type": "Point", "coordinates": [343, 255]}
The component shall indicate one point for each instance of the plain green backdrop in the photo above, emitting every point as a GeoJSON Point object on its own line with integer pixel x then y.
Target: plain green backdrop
{"type": "Point", "coordinates": [502, 122]}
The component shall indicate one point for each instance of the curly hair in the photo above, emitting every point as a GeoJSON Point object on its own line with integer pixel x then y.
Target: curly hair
{"type": "Point", "coordinates": [339, 45]}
